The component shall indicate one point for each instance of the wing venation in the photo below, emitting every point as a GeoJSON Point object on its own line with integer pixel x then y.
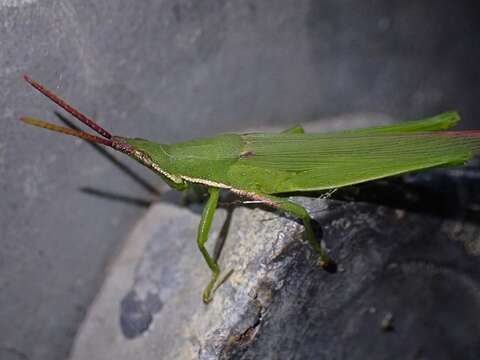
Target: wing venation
{"type": "Point", "coordinates": [336, 159]}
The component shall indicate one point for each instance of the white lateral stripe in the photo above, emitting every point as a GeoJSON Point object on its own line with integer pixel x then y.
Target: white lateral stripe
{"type": "Point", "coordinates": [206, 182]}
{"type": "Point", "coordinates": [166, 174]}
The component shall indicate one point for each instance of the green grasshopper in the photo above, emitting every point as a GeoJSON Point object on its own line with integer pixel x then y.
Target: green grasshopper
{"type": "Point", "coordinates": [266, 167]}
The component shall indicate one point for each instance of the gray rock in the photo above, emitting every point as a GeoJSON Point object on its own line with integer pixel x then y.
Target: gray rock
{"type": "Point", "coordinates": [406, 287]}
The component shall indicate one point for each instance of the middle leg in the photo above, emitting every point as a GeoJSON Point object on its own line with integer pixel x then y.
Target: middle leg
{"type": "Point", "coordinates": [300, 212]}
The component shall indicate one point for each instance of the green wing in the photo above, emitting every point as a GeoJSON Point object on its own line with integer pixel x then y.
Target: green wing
{"type": "Point", "coordinates": [323, 161]}
{"type": "Point", "coordinates": [439, 122]}
{"type": "Point", "coordinates": [442, 121]}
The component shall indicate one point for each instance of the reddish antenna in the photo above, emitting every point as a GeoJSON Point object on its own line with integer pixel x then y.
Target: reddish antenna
{"type": "Point", "coordinates": [68, 131]}
{"type": "Point", "coordinates": [67, 107]}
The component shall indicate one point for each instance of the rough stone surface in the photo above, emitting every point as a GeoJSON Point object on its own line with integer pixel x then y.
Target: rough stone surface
{"type": "Point", "coordinates": [407, 284]}
{"type": "Point", "coordinates": [174, 69]}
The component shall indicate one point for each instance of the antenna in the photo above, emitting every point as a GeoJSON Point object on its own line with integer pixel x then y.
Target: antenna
{"type": "Point", "coordinates": [65, 130]}
{"type": "Point", "coordinates": [67, 107]}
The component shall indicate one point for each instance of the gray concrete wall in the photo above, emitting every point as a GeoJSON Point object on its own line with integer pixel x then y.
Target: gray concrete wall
{"type": "Point", "coordinates": [170, 70]}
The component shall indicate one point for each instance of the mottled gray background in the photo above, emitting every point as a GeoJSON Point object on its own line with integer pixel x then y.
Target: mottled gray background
{"type": "Point", "coordinates": [171, 70]}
